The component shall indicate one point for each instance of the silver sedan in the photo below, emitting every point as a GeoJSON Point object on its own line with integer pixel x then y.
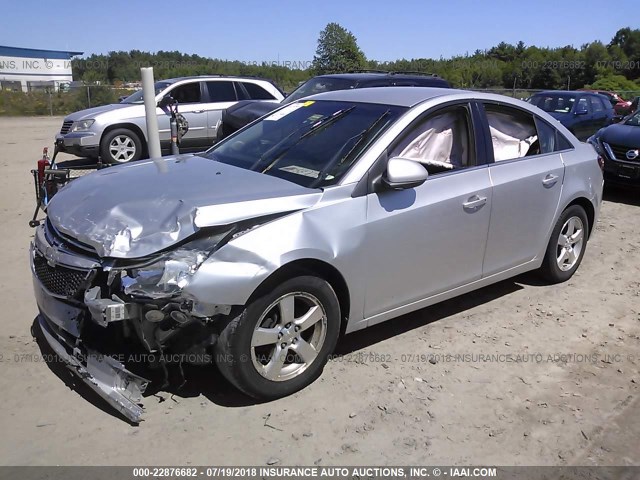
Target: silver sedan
{"type": "Point", "coordinates": [327, 216]}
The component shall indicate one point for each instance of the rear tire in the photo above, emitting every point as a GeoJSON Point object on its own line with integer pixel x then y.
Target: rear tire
{"type": "Point", "coordinates": [120, 145]}
{"type": "Point", "coordinates": [566, 246]}
{"type": "Point", "coordinates": [280, 342]}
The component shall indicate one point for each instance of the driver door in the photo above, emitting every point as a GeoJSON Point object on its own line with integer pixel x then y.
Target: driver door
{"type": "Point", "coordinates": [189, 97]}
{"type": "Point", "coordinates": [429, 239]}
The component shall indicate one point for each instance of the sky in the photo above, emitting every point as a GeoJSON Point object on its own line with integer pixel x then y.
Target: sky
{"type": "Point", "coordinates": [257, 31]}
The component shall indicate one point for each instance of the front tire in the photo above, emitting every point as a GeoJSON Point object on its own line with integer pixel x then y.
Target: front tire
{"type": "Point", "coordinates": [280, 342]}
{"type": "Point", "coordinates": [120, 146]}
{"type": "Point", "coordinates": [567, 245]}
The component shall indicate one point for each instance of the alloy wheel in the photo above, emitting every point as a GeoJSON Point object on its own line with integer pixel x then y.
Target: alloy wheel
{"type": "Point", "coordinates": [570, 243]}
{"type": "Point", "coordinates": [288, 336]}
{"type": "Point", "coordinates": [122, 148]}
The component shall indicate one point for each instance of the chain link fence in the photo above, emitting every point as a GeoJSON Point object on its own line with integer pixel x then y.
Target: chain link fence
{"type": "Point", "coordinates": [48, 101]}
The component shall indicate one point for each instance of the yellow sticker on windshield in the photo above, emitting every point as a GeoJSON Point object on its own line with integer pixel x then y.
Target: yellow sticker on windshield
{"type": "Point", "coordinates": [308, 102]}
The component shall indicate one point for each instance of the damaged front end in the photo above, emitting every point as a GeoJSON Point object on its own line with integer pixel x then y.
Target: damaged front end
{"type": "Point", "coordinates": [114, 320]}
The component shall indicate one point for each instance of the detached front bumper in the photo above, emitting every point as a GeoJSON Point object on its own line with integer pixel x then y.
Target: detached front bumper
{"type": "Point", "coordinates": [108, 377]}
{"type": "Point", "coordinates": [100, 331]}
{"type": "Point", "coordinates": [82, 144]}
{"type": "Point", "coordinates": [61, 322]}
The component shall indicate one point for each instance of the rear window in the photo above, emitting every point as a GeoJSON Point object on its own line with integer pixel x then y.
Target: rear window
{"type": "Point", "coordinates": [256, 92]}
{"type": "Point", "coordinates": [221, 91]}
{"type": "Point", "coordinates": [320, 85]}
{"type": "Point", "coordinates": [553, 103]}
{"type": "Point", "coordinates": [596, 104]}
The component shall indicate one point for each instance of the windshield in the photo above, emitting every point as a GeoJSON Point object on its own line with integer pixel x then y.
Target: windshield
{"type": "Point", "coordinates": [310, 143]}
{"type": "Point", "coordinates": [554, 103]}
{"type": "Point", "coordinates": [633, 119]}
{"type": "Point", "coordinates": [137, 97]}
{"type": "Point", "coordinates": [319, 85]}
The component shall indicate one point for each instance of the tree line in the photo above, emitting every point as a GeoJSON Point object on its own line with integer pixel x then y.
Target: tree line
{"type": "Point", "coordinates": [613, 66]}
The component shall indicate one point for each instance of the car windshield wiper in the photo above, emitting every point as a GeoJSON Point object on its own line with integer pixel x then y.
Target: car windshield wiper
{"type": "Point", "coordinates": [315, 128]}
{"type": "Point", "coordinates": [359, 139]}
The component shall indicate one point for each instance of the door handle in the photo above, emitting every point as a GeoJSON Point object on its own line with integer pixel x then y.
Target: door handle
{"type": "Point", "coordinates": [550, 180]}
{"type": "Point", "coordinates": [474, 203]}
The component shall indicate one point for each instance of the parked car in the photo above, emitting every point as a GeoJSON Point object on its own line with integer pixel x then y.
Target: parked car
{"type": "Point", "coordinates": [634, 105]}
{"type": "Point", "coordinates": [620, 105]}
{"type": "Point", "coordinates": [583, 113]}
{"type": "Point", "coordinates": [243, 113]}
{"type": "Point", "coordinates": [118, 132]}
{"type": "Point", "coordinates": [619, 145]}
{"type": "Point", "coordinates": [329, 215]}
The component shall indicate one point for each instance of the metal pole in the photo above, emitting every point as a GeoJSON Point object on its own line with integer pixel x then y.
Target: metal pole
{"type": "Point", "coordinates": [89, 95]}
{"type": "Point", "coordinates": [149, 96]}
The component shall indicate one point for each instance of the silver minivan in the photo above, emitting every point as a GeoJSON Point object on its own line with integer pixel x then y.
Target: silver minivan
{"type": "Point", "coordinates": [118, 133]}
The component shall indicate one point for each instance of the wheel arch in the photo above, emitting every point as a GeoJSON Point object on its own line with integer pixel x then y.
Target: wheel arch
{"type": "Point", "coordinates": [129, 126]}
{"type": "Point", "coordinates": [314, 267]}
{"type": "Point", "coordinates": [589, 209]}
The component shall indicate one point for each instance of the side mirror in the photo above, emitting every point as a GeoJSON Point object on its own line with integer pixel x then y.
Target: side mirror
{"type": "Point", "coordinates": [166, 101]}
{"type": "Point", "coordinates": [403, 173]}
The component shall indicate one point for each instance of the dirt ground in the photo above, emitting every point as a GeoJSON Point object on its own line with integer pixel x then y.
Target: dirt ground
{"type": "Point", "coordinates": [520, 373]}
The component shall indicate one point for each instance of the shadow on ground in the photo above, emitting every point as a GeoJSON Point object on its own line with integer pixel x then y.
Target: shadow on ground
{"type": "Point", "coordinates": [209, 382]}
{"type": "Point", "coordinates": [622, 194]}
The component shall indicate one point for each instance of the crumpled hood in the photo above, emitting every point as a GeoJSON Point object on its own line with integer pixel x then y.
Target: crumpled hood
{"type": "Point", "coordinates": [134, 210]}
{"type": "Point", "coordinates": [90, 113]}
{"type": "Point", "coordinates": [620, 134]}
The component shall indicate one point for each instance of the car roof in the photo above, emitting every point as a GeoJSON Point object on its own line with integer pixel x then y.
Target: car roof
{"type": "Point", "coordinates": [370, 75]}
{"type": "Point", "coordinates": [397, 96]}
{"type": "Point", "coordinates": [569, 92]}
{"type": "Point", "coordinates": [212, 77]}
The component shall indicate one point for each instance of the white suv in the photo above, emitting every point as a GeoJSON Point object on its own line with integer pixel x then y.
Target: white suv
{"type": "Point", "coordinates": [118, 133]}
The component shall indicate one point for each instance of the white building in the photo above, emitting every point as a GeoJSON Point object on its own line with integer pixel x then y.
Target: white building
{"type": "Point", "coordinates": [29, 69]}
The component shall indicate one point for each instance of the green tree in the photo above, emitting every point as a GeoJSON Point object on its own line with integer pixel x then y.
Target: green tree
{"type": "Point", "coordinates": [337, 51]}
{"type": "Point", "coordinates": [614, 83]}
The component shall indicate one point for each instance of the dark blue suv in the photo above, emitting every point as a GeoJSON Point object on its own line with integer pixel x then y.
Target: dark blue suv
{"type": "Point", "coordinates": [244, 112]}
{"type": "Point", "coordinates": [583, 113]}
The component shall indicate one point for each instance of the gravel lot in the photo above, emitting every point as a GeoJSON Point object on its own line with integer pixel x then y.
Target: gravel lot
{"type": "Point", "coordinates": [522, 373]}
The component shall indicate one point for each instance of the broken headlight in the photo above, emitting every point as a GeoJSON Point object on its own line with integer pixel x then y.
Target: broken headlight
{"type": "Point", "coordinates": [167, 276]}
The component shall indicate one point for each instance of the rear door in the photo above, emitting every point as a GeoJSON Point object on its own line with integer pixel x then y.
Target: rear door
{"type": "Point", "coordinates": [600, 116]}
{"type": "Point", "coordinates": [527, 175]}
{"type": "Point", "coordinates": [583, 118]}
{"type": "Point", "coordinates": [220, 95]}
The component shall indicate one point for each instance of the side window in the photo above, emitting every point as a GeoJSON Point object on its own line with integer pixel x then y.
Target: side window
{"type": "Point", "coordinates": [596, 105]}
{"type": "Point", "coordinates": [187, 93]}
{"type": "Point", "coordinates": [547, 136]}
{"type": "Point", "coordinates": [583, 105]}
{"type": "Point", "coordinates": [513, 132]}
{"type": "Point", "coordinates": [221, 91]}
{"type": "Point", "coordinates": [551, 140]}
{"type": "Point", "coordinates": [241, 91]}
{"type": "Point", "coordinates": [442, 142]}
{"type": "Point", "coordinates": [256, 92]}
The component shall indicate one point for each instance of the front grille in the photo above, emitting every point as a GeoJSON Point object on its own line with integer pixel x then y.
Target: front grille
{"type": "Point", "coordinates": [66, 126]}
{"type": "Point", "coordinates": [59, 280]}
{"type": "Point", "coordinates": [620, 152]}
